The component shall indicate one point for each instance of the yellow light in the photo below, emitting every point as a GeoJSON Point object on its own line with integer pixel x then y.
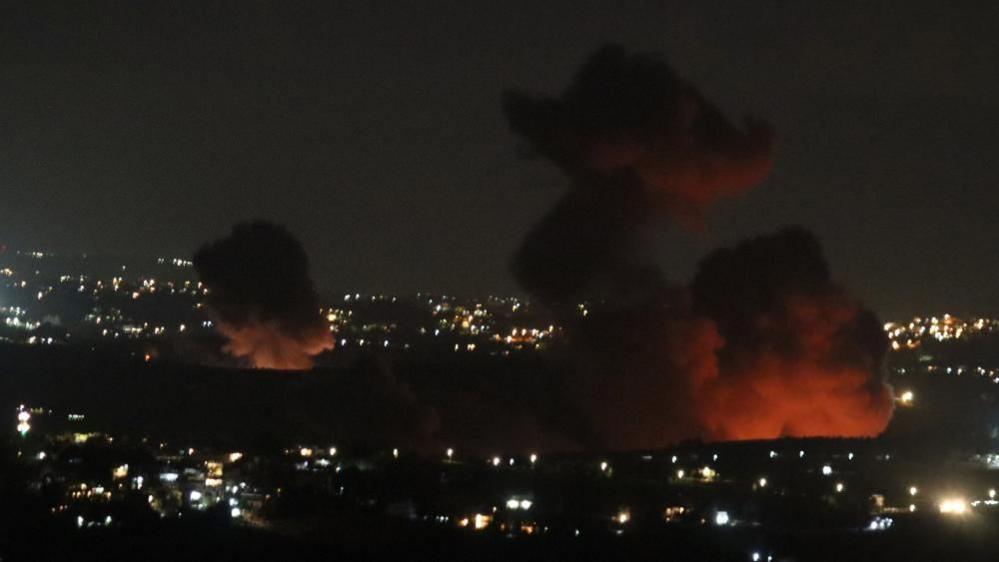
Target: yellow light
{"type": "Point", "coordinates": [233, 457]}
{"type": "Point", "coordinates": [840, 487]}
{"type": "Point", "coordinates": [623, 517]}
{"type": "Point", "coordinates": [482, 521]}
{"type": "Point", "coordinates": [906, 398]}
{"type": "Point", "coordinates": [954, 506]}
{"type": "Point", "coordinates": [120, 472]}
{"type": "Point", "coordinates": [305, 452]}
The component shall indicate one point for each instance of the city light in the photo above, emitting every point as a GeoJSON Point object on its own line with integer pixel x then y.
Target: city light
{"type": "Point", "coordinates": [840, 487]}
{"type": "Point", "coordinates": [534, 458]}
{"type": "Point", "coordinates": [449, 453]}
{"type": "Point", "coordinates": [721, 518]}
{"type": "Point", "coordinates": [906, 398]}
{"type": "Point", "coordinates": [954, 506]}
{"type": "Point", "coordinates": [826, 470]}
{"type": "Point", "coordinates": [913, 490]}
{"type": "Point", "coordinates": [762, 482]}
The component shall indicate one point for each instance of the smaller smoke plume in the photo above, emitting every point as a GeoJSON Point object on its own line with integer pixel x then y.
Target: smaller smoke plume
{"type": "Point", "coordinates": [264, 299]}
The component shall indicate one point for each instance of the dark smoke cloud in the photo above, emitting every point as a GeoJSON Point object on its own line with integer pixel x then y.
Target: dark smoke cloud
{"type": "Point", "coordinates": [800, 356]}
{"type": "Point", "coordinates": [762, 344]}
{"type": "Point", "coordinates": [632, 117]}
{"type": "Point", "coordinates": [638, 143]}
{"type": "Point", "coordinates": [260, 289]}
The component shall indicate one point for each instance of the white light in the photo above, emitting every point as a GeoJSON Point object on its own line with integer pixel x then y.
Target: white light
{"type": "Point", "coordinates": [755, 557]}
{"type": "Point", "coordinates": [169, 476]}
{"type": "Point", "coordinates": [826, 470]}
{"type": "Point", "coordinates": [763, 482]}
{"type": "Point", "coordinates": [674, 459]}
{"type": "Point", "coordinates": [603, 466]}
{"type": "Point", "coordinates": [332, 451]}
{"type": "Point", "coordinates": [79, 521]}
{"type": "Point", "coordinates": [23, 416]}
{"type": "Point", "coordinates": [235, 512]}
{"type": "Point", "coordinates": [773, 454]}
{"type": "Point", "coordinates": [840, 487]}
{"type": "Point", "coordinates": [449, 452]}
{"type": "Point", "coordinates": [526, 504]}
{"type": "Point", "coordinates": [913, 490]}
{"type": "Point", "coordinates": [680, 473]}
{"type": "Point", "coordinates": [512, 504]}
{"type": "Point", "coordinates": [195, 496]}
{"type": "Point", "coordinates": [721, 518]}
{"type": "Point", "coordinates": [992, 493]}
{"type": "Point", "coordinates": [850, 456]}
{"type": "Point", "coordinates": [395, 453]}
{"type": "Point", "coordinates": [496, 461]}
{"type": "Point", "coordinates": [953, 506]}
{"type": "Point", "coordinates": [801, 454]}
{"type": "Point", "coordinates": [534, 458]}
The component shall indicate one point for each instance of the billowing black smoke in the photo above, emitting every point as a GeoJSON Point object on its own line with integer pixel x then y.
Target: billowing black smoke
{"type": "Point", "coordinates": [763, 343]}
{"type": "Point", "coordinates": [260, 289]}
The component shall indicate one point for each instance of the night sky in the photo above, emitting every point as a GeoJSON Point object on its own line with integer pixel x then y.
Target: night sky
{"type": "Point", "coordinates": [373, 131]}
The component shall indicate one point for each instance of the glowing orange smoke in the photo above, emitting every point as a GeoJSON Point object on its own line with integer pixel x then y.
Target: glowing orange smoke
{"type": "Point", "coordinates": [269, 346]}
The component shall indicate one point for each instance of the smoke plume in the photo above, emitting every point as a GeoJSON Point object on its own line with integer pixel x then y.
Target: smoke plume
{"type": "Point", "coordinates": [762, 344]}
{"type": "Point", "coordinates": [638, 143]}
{"type": "Point", "coordinates": [261, 292]}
